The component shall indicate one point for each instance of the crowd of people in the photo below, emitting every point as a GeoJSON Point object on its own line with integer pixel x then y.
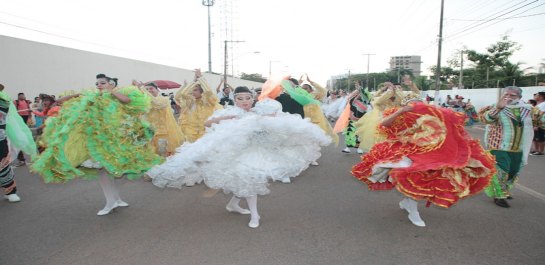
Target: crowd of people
{"type": "Point", "coordinates": [239, 140]}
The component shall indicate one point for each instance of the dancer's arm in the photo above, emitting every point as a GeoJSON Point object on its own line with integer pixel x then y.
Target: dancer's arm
{"type": "Point", "coordinates": [121, 97]}
{"type": "Point", "coordinates": [209, 122]}
{"type": "Point", "coordinates": [387, 122]}
{"type": "Point", "coordinates": [64, 99]}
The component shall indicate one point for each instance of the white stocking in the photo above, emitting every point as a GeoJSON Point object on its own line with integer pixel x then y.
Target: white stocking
{"type": "Point", "coordinates": [233, 206]}
{"type": "Point", "coordinates": [254, 215]}
{"type": "Point", "coordinates": [411, 206]}
{"type": "Point", "coordinates": [110, 193]}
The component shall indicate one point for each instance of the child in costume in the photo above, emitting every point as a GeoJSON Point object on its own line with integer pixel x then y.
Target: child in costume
{"type": "Point", "coordinates": [197, 102]}
{"type": "Point", "coordinates": [168, 135]}
{"type": "Point", "coordinates": [244, 148]}
{"type": "Point", "coordinates": [313, 110]}
{"type": "Point", "coordinates": [99, 132]}
{"type": "Point", "coordinates": [411, 158]}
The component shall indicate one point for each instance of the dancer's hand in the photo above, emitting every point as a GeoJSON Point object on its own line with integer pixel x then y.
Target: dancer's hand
{"type": "Point", "coordinates": [502, 103]}
{"type": "Point", "coordinates": [406, 109]}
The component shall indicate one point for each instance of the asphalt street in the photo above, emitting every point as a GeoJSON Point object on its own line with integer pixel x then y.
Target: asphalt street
{"type": "Point", "coordinates": [324, 217]}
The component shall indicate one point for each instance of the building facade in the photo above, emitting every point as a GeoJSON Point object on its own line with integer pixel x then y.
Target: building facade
{"type": "Point", "coordinates": [407, 62]}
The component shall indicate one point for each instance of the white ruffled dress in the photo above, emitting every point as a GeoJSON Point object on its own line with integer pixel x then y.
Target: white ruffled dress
{"type": "Point", "coordinates": [242, 155]}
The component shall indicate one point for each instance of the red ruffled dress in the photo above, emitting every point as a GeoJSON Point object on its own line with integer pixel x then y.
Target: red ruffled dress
{"type": "Point", "coordinates": [427, 155]}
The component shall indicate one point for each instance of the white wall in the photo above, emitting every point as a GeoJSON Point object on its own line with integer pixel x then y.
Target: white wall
{"type": "Point", "coordinates": [34, 68]}
{"type": "Point", "coordinates": [482, 97]}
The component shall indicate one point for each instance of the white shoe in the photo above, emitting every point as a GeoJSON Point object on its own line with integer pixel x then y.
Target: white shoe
{"type": "Point", "coordinates": [346, 150]}
{"type": "Point", "coordinates": [106, 210]}
{"type": "Point", "coordinates": [236, 209]}
{"type": "Point", "coordinates": [411, 207]}
{"type": "Point", "coordinates": [286, 180]}
{"type": "Point", "coordinates": [121, 203]}
{"type": "Point", "coordinates": [314, 163]}
{"type": "Point", "coordinates": [12, 198]}
{"type": "Point", "coordinates": [360, 151]}
{"type": "Point", "coordinates": [254, 222]}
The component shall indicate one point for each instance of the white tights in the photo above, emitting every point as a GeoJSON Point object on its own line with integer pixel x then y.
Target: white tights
{"type": "Point", "coordinates": [113, 200]}
{"type": "Point", "coordinates": [411, 206]}
{"type": "Point", "coordinates": [233, 206]}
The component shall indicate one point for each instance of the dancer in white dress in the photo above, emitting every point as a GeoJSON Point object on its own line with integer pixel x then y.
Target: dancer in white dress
{"type": "Point", "coordinates": [243, 149]}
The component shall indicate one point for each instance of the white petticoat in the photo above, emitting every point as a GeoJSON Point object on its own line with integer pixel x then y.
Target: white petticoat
{"type": "Point", "coordinates": [242, 155]}
{"type": "Point", "coordinates": [334, 109]}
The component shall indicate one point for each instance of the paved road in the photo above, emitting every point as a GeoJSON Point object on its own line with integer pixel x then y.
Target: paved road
{"type": "Point", "coordinates": [324, 217]}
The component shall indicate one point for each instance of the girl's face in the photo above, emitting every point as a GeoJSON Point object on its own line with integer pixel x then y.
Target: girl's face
{"type": "Point", "coordinates": [197, 92]}
{"type": "Point", "coordinates": [102, 83]}
{"type": "Point", "coordinates": [47, 103]}
{"type": "Point", "coordinates": [307, 88]}
{"type": "Point", "coordinates": [244, 101]}
{"type": "Point", "coordinates": [152, 90]}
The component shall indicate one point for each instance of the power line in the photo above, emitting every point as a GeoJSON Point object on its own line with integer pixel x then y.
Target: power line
{"type": "Point", "coordinates": [531, 15]}
{"type": "Point", "coordinates": [486, 26]}
{"type": "Point", "coordinates": [491, 15]}
{"type": "Point", "coordinates": [473, 8]}
{"type": "Point", "coordinates": [488, 20]}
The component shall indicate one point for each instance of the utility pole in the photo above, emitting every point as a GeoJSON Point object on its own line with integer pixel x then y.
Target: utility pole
{"type": "Point", "coordinates": [225, 61]}
{"type": "Point", "coordinates": [368, 60]}
{"type": "Point", "coordinates": [348, 81]}
{"type": "Point", "coordinates": [208, 4]}
{"type": "Point", "coordinates": [487, 74]}
{"type": "Point", "coordinates": [438, 70]}
{"type": "Point", "coordinates": [270, 67]}
{"type": "Point", "coordinates": [461, 85]}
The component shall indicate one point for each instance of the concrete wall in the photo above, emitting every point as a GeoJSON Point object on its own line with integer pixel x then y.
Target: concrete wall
{"type": "Point", "coordinates": [482, 97]}
{"type": "Point", "coordinates": [34, 68]}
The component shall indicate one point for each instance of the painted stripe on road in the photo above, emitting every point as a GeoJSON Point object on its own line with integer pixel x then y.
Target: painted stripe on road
{"type": "Point", "coordinates": [531, 192]}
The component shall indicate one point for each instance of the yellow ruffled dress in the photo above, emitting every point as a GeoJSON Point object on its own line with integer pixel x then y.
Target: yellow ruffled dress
{"type": "Point", "coordinates": [166, 127]}
{"type": "Point", "coordinates": [315, 114]}
{"type": "Point", "coordinates": [195, 112]}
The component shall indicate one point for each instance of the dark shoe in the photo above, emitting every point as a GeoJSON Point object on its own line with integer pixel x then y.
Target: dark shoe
{"type": "Point", "coordinates": [502, 203]}
{"type": "Point", "coordinates": [537, 154]}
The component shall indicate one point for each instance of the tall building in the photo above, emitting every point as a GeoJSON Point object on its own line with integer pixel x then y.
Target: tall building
{"type": "Point", "coordinates": [410, 62]}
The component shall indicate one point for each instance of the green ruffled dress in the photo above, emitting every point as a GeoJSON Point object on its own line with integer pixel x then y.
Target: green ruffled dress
{"type": "Point", "coordinates": [95, 128]}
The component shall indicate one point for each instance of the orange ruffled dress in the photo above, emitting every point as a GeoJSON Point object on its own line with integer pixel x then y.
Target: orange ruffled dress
{"type": "Point", "coordinates": [427, 155]}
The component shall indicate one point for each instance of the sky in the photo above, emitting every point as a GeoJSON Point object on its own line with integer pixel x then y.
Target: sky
{"type": "Point", "coordinates": [320, 38]}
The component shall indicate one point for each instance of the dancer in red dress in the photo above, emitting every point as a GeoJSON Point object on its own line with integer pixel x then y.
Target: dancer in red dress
{"type": "Point", "coordinates": [427, 155]}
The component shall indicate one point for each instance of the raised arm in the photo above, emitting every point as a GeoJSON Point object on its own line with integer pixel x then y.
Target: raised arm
{"type": "Point", "coordinates": [388, 121]}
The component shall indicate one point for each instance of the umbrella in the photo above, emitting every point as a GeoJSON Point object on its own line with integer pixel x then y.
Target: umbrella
{"type": "Point", "coordinates": [165, 84]}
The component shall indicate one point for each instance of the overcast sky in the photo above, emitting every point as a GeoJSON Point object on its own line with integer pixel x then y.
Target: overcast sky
{"type": "Point", "coordinates": [321, 38]}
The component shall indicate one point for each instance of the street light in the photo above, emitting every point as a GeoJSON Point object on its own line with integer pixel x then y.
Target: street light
{"type": "Point", "coordinates": [208, 4]}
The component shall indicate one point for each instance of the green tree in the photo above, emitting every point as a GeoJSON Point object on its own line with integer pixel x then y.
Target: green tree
{"type": "Point", "coordinates": [253, 77]}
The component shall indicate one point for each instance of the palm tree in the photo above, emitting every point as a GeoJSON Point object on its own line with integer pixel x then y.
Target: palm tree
{"type": "Point", "coordinates": [512, 73]}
